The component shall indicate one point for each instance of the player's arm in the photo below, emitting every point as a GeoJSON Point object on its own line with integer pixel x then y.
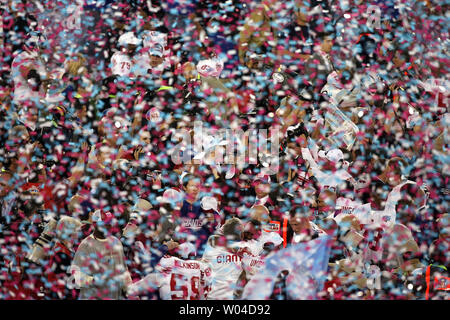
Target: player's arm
{"type": "Point", "coordinates": [1, 29]}
{"type": "Point", "coordinates": [79, 277]}
{"type": "Point", "coordinates": [32, 68]}
{"type": "Point", "coordinates": [153, 257]}
{"type": "Point", "coordinates": [240, 284]}
{"type": "Point", "coordinates": [312, 77]}
{"type": "Point", "coordinates": [77, 172]}
{"type": "Point", "coordinates": [150, 282]}
{"type": "Point", "coordinates": [439, 142]}
{"type": "Point", "coordinates": [115, 64]}
{"type": "Point", "coordinates": [24, 66]}
{"type": "Point", "coordinates": [124, 278]}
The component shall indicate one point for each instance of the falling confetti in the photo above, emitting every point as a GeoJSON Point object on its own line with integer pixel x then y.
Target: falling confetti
{"type": "Point", "coordinates": [224, 150]}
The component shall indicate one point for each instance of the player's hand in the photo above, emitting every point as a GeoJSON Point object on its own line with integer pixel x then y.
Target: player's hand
{"type": "Point", "coordinates": [393, 87]}
{"type": "Point", "coordinates": [85, 147]}
{"type": "Point", "coordinates": [171, 244]}
{"type": "Point", "coordinates": [137, 152]}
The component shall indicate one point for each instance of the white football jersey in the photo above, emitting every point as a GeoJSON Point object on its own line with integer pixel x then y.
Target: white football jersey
{"type": "Point", "coordinates": [252, 259]}
{"type": "Point", "coordinates": [122, 64]}
{"type": "Point", "coordinates": [183, 279]}
{"type": "Point", "coordinates": [22, 90]}
{"type": "Point", "coordinates": [226, 268]}
{"type": "Point", "coordinates": [251, 263]}
{"type": "Point", "coordinates": [256, 245]}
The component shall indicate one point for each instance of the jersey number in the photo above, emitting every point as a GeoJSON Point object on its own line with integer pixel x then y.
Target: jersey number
{"type": "Point", "coordinates": [179, 286]}
{"type": "Point", "coordinates": [127, 64]}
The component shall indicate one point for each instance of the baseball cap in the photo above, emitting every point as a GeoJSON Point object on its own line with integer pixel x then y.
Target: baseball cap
{"type": "Point", "coordinates": [152, 37]}
{"type": "Point", "coordinates": [128, 38]}
{"type": "Point", "coordinates": [153, 115]}
{"type": "Point", "coordinates": [261, 177]}
{"type": "Point", "coordinates": [105, 217]}
{"type": "Point", "coordinates": [86, 207]}
{"type": "Point", "coordinates": [157, 50]}
{"type": "Point", "coordinates": [32, 188]}
{"type": "Point", "coordinates": [209, 203]}
{"type": "Point", "coordinates": [140, 207]}
{"type": "Point", "coordinates": [171, 196]}
{"type": "Point", "coordinates": [186, 249]}
{"type": "Point", "coordinates": [333, 155]}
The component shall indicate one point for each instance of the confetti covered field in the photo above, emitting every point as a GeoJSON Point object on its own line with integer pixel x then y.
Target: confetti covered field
{"type": "Point", "coordinates": [224, 150]}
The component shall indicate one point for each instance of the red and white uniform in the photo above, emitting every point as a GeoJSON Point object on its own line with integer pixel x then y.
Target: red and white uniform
{"type": "Point", "coordinates": [122, 64]}
{"type": "Point", "coordinates": [183, 279]}
{"type": "Point", "coordinates": [226, 264]}
{"type": "Point", "coordinates": [252, 259]}
{"type": "Point", "coordinates": [251, 263]}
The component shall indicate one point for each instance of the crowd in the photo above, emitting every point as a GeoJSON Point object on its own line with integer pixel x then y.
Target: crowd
{"type": "Point", "coordinates": [108, 190]}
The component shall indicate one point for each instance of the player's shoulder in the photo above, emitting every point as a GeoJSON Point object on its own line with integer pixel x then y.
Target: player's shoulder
{"type": "Point", "coordinates": [212, 241]}
{"type": "Point", "coordinates": [240, 245]}
{"type": "Point", "coordinates": [115, 241]}
{"type": "Point", "coordinates": [119, 55]}
{"type": "Point", "coordinates": [167, 260]}
{"type": "Point", "coordinates": [165, 265]}
{"type": "Point", "coordinates": [204, 264]}
{"type": "Point", "coordinates": [86, 242]}
{"type": "Point", "coordinates": [21, 58]}
{"type": "Point", "coordinates": [253, 246]}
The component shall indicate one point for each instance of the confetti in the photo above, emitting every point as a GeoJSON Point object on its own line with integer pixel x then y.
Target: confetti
{"type": "Point", "coordinates": [224, 150]}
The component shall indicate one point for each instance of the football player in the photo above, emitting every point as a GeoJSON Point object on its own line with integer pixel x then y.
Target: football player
{"type": "Point", "coordinates": [184, 279]}
{"type": "Point", "coordinates": [224, 252]}
{"type": "Point", "coordinates": [28, 70]}
{"type": "Point", "coordinates": [178, 277]}
{"type": "Point", "coordinates": [122, 62]}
